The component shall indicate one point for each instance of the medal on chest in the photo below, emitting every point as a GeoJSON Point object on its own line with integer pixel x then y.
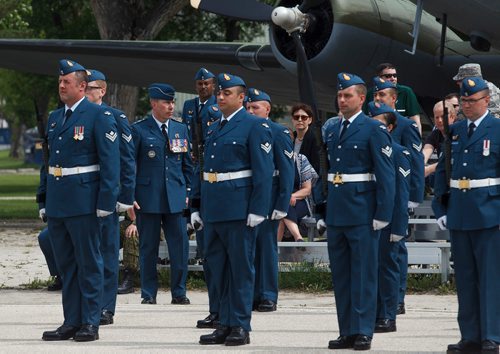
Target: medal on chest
{"type": "Point", "coordinates": [486, 147]}
{"type": "Point", "coordinates": [79, 130]}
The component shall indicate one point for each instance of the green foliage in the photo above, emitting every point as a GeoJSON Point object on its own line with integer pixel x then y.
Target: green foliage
{"type": "Point", "coordinates": [18, 209]}
{"type": "Point", "coordinates": [305, 276]}
{"type": "Point", "coordinates": [18, 185]}
{"type": "Point", "coordinates": [37, 284]}
{"type": "Point", "coordinates": [14, 16]}
{"type": "Point", "coordinates": [7, 162]}
{"type": "Point", "coordinates": [424, 283]}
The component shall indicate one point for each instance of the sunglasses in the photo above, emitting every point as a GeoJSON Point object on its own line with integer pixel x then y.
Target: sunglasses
{"type": "Point", "coordinates": [300, 117]}
{"type": "Point", "coordinates": [93, 87]}
{"type": "Point", "coordinates": [388, 76]}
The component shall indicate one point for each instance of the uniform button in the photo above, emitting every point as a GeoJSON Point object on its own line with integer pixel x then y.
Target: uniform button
{"type": "Point", "coordinates": [211, 170]}
{"type": "Point", "coordinates": [215, 144]}
{"type": "Point", "coordinates": [234, 142]}
{"type": "Point", "coordinates": [166, 179]}
{"type": "Point", "coordinates": [466, 151]}
{"type": "Point", "coordinates": [339, 147]}
{"type": "Point", "coordinates": [166, 168]}
{"type": "Point", "coordinates": [60, 138]}
{"type": "Point", "coordinates": [338, 159]}
{"type": "Point", "coordinates": [336, 185]}
{"type": "Point", "coordinates": [57, 178]}
{"type": "Point", "coordinates": [57, 165]}
{"type": "Point", "coordinates": [465, 163]}
{"type": "Point", "coordinates": [151, 145]}
{"type": "Point", "coordinates": [57, 151]}
{"type": "Point", "coordinates": [212, 156]}
{"type": "Point", "coordinates": [355, 146]}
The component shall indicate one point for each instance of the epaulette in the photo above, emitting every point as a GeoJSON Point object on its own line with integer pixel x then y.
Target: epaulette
{"type": "Point", "coordinates": [138, 121]}
{"type": "Point", "coordinates": [177, 119]}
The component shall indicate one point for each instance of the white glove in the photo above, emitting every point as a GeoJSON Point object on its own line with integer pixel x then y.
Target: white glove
{"type": "Point", "coordinates": [395, 238]}
{"type": "Point", "coordinates": [254, 220]}
{"type": "Point", "coordinates": [321, 225]}
{"type": "Point", "coordinates": [379, 225]}
{"type": "Point", "coordinates": [41, 214]}
{"type": "Point", "coordinates": [102, 213]}
{"type": "Point", "coordinates": [442, 221]}
{"type": "Point", "coordinates": [196, 221]}
{"type": "Point", "coordinates": [278, 214]}
{"type": "Point", "coordinates": [413, 205]}
{"type": "Point", "coordinates": [120, 207]}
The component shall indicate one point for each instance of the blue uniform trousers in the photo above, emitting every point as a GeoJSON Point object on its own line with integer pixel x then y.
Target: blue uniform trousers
{"type": "Point", "coordinates": [388, 276]}
{"type": "Point", "coordinates": [174, 228]}
{"type": "Point", "coordinates": [110, 249]}
{"type": "Point", "coordinates": [46, 247]}
{"type": "Point", "coordinates": [213, 295]}
{"type": "Point", "coordinates": [403, 270]}
{"type": "Point", "coordinates": [477, 273]}
{"type": "Point", "coordinates": [75, 240]}
{"type": "Point", "coordinates": [266, 262]}
{"type": "Point", "coordinates": [353, 252]}
{"type": "Point", "coordinates": [230, 255]}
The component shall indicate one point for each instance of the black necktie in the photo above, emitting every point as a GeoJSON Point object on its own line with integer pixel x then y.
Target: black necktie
{"type": "Point", "coordinates": [223, 122]}
{"type": "Point", "coordinates": [68, 114]}
{"type": "Point", "coordinates": [200, 107]}
{"type": "Point", "coordinates": [472, 126]}
{"type": "Point", "coordinates": [345, 124]}
{"type": "Point", "coordinates": [165, 135]}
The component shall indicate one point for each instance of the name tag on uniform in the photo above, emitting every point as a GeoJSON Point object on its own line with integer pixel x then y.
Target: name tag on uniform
{"type": "Point", "coordinates": [178, 145]}
{"type": "Point", "coordinates": [486, 147]}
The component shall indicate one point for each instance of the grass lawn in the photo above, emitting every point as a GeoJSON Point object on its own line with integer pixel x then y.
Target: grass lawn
{"type": "Point", "coordinates": [7, 162]}
{"type": "Point", "coordinates": [18, 209]}
{"type": "Point", "coordinates": [18, 185]}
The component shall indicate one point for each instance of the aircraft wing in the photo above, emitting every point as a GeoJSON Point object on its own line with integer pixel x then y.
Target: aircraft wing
{"type": "Point", "coordinates": [140, 63]}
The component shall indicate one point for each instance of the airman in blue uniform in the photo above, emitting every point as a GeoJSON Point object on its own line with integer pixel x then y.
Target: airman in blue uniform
{"type": "Point", "coordinates": [407, 135]}
{"type": "Point", "coordinates": [81, 190]}
{"type": "Point", "coordinates": [235, 198]}
{"type": "Point", "coordinates": [358, 207]}
{"type": "Point", "coordinates": [266, 252]}
{"type": "Point", "coordinates": [396, 231]}
{"type": "Point", "coordinates": [164, 173]}
{"type": "Point", "coordinates": [470, 208]}
{"type": "Point", "coordinates": [110, 230]}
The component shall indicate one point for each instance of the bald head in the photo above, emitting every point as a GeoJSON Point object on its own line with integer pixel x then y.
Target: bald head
{"type": "Point", "coordinates": [439, 114]}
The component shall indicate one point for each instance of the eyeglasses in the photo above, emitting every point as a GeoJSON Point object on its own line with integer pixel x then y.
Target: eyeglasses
{"type": "Point", "coordinates": [300, 117]}
{"type": "Point", "coordinates": [93, 87]}
{"type": "Point", "coordinates": [388, 76]}
{"type": "Point", "coordinates": [471, 100]}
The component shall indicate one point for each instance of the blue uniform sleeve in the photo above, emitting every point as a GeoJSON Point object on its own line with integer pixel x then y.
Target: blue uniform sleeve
{"type": "Point", "coordinates": [127, 159]}
{"type": "Point", "coordinates": [440, 188]}
{"type": "Point", "coordinates": [108, 152]}
{"type": "Point", "coordinates": [283, 158]}
{"type": "Point", "coordinates": [261, 160]}
{"type": "Point", "coordinates": [399, 225]}
{"type": "Point", "coordinates": [187, 165]}
{"type": "Point", "coordinates": [411, 140]}
{"type": "Point", "coordinates": [381, 151]}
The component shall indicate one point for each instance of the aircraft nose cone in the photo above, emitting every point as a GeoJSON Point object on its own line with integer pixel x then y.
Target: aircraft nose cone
{"type": "Point", "coordinates": [284, 17]}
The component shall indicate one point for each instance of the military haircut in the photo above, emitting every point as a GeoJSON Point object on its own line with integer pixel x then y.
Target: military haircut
{"type": "Point", "coordinates": [390, 118]}
{"type": "Point", "coordinates": [361, 90]}
{"type": "Point", "coordinates": [393, 91]}
{"type": "Point", "coordinates": [102, 84]}
{"type": "Point", "coordinates": [81, 76]}
{"type": "Point", "coordinates": [240, 89]}
{"type": "Point", "coordinates": [383, 66]}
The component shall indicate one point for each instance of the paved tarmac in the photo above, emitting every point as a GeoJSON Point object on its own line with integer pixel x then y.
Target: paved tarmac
{"type": "Point", "coordinates": [303, 323]}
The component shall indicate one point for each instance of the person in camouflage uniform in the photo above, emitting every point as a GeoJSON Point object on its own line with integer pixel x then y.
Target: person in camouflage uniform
{"type": "Point", "coordinates": [474, 70]}
{"type": "Point", "coordinates": [129, 238]}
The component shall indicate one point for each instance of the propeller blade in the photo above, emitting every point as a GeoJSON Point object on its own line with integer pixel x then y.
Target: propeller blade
{"type": "Point", "coordinates": [307, 4]}
{"type": "Point", "coordinates": [249, 10]}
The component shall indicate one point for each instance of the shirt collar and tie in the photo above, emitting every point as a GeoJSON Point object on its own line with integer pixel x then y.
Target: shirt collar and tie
{"type": "Point", "coordinates": [68, 111]}
{"type": "Point", "coordinates": [472, 126]}
{"type": "Point", "coordinates": [225, 120]}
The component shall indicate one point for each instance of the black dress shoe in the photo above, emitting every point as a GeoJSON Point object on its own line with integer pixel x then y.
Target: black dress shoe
{"type": "Point", "coordinates": [211, 321]}
{"type": "Point", "coordinates": [149, 301]}
{"type": "Point", "coordinates": [238, 336]}
{"type": "Point", "coordinates": [62, 333]}
{"type": "Point", "coordinates": [217, 337]}
{"type": "Point", "coordinates": [266, 306]}
{"type": "Point", "coordinates": [384, 325]}
{"type": "Point", "coordinates": [362, 342]}
{"type": "Point", "coordinates": [401, 309]}
{"type": "Point", "coordinates": [489, 346]}
{"type": "Point", "coordinates": [87, 333]}
{"type": "Point", "coordinates": [106, 318]}
{"type": "Point", "coordinates": [464, 346]}
{"type": "Point", "coordinates": [342, 342]}
{"type": "Point", "coordinates": [127, 285]}
{"type": "Point", "coordinates": [56, 285]}
{"type": "Point", "coordinates": [181, 300]}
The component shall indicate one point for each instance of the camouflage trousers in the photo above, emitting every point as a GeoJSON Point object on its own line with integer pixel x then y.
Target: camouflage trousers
{"type": "Point", "coordinates": [130, 248]}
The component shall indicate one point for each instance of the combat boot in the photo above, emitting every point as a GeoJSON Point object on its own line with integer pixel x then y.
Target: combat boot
{"type": "Point", "coordinates": [127, 285]}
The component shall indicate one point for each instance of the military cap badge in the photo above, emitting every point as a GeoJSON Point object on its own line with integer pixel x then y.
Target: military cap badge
{"type": "Point", "coordinates": [347, 77]}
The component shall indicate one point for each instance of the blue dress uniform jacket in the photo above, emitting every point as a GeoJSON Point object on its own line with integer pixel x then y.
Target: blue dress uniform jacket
{"type": "Point", "coordinates": [244, 143]}
{"type": "Point", "coordinates": [266, 253]}
{"type": "Point", "coordinates": [191, 112]}
{"type": "Point", "coordinates": [176, 169]}
{"type": "Point", "coordinates": [164, 173]}
{"type": "Point", "coordinates": [473, 218]}
{"type": "Point", "coordinates": [239, 146]}
{"type": "Point", "coordinates": [389, 268]}
{"type": "Point", "coordinates": [89, 137]}
{"type": "Point", "coordinates": [406, 134]}
{"type": "Point", "coordinates": [365, 148]}
{"type": "Point", "coordinates": [110, 241]}
{"type": "Point", "coordinates": [353, 245]}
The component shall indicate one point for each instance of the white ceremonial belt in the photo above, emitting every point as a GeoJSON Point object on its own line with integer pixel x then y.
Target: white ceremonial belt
{"type": "Point", "coordinates": [68, 171]}
{"type": "Point", "coordinates": [339, 178]}
{"type": "Point", "coordinates": [276, 173]}
{"type": "Point", "coordinates": [474, 183]}
{"type": "Point", "coordinates": [213, 177]}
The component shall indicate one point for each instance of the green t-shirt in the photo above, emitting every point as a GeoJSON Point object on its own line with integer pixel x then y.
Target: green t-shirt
{"type": "Point", "coordinates": [407, 104]}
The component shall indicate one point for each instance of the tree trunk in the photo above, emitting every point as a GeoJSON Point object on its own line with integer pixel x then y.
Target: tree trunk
{"type": "Point", "coordinates": [131, 20]}
{"type": "Point", "coordinates": [15, 141]}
